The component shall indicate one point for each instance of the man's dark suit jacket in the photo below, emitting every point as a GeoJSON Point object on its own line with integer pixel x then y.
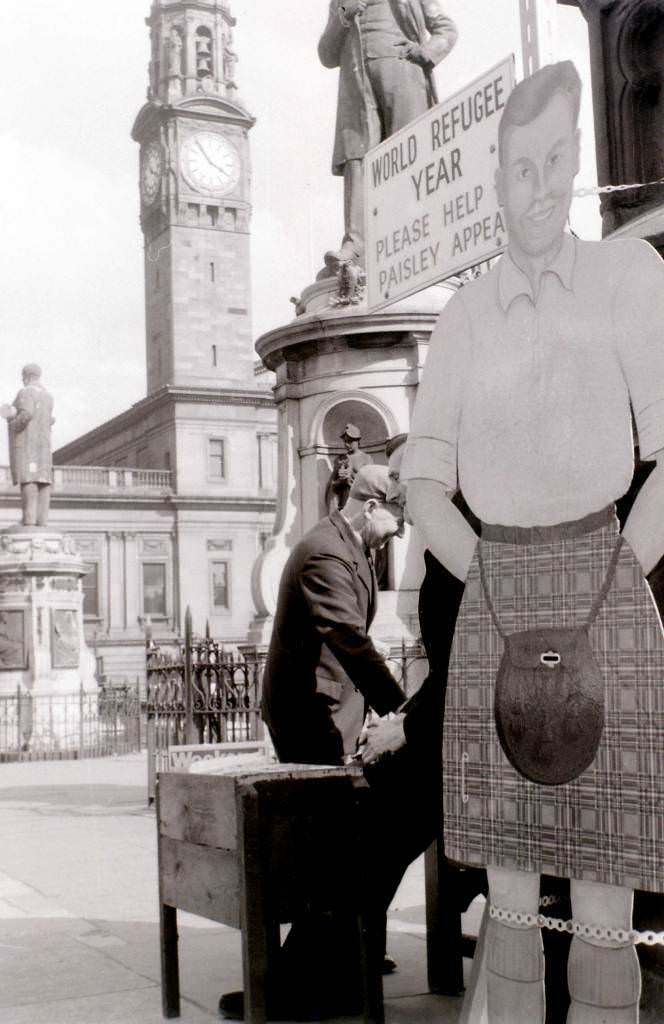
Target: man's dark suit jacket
{"type": "Point", "coordinates": [326, 603]}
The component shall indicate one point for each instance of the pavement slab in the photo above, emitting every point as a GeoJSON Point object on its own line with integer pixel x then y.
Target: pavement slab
{"type": "Point", "coordinates": [79, 915]}
{"type": "Point", "coordinates": [134, 1007]}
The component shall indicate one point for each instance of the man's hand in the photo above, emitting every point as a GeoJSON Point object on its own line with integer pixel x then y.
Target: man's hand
{"type": "Point", "coordinates": [414, 53]}
{"type": "Point", "coordinates": [349, 9]}
{"type": "Point", "coordinates": [8, 412]}
{"type": "Point", "coordinates": [382, 737]}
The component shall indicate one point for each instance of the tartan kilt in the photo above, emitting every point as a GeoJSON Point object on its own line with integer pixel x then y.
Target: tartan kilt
{"type": "Point", "coordinates": [608, 824]}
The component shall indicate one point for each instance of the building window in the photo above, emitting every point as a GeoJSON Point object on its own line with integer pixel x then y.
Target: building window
{"type": "Point", "coordinates": [142, 458]}
{"type": "Point", "coordinates": [220, 586]}
{"type": "Point", "coordinates": [91, 591]}
{"type": "Point", "coordinates": [216, 459]}
{"type": "Point", "coordinates": [154, 588]}
{"type": "Point", "coordinates": [212, 273]}
{"type": "Point", "coordinates": [214, 355]}
{"type": "Point", "coordinates": [267, 461]}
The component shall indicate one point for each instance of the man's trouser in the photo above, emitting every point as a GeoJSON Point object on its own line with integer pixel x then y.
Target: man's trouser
{"type": "Point", "coordinates": [400, 94]}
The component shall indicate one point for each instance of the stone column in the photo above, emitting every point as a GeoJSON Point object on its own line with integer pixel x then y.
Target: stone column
{"type": "Point", "coordinates": [190, 54]}
{"type": "Point", "coordinates": [117, 583]}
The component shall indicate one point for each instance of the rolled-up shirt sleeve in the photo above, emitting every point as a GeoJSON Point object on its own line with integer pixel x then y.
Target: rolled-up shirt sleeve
{"type": "Point", "coordinates": [639, 321]}
{"type": "Point", "coordinates": [431, 449]}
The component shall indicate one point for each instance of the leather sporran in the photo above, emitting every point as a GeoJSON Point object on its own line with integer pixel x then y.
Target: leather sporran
{"type": "Point", "coordinates": [549, 695]}
{"type": "Point", "coordinates": [549, 703]}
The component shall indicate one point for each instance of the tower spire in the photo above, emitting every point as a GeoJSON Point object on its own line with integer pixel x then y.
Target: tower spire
{"type": "Point", "coordinates": [192, 50]}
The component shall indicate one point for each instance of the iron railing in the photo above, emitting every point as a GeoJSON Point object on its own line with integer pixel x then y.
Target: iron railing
{"type": "Point", "coordinates": [44, 727]}
{"type": "Point", "coordinates": [199, 692]}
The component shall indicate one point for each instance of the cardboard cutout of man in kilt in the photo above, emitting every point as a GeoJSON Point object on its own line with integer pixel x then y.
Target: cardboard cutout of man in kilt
{"type": "Point", "coordinates": [553, 760]}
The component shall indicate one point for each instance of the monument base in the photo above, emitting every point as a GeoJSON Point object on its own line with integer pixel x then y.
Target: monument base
{"type": "Point", "coordinates": [338, 363]}
{"type": "Point", "coordinates": [43, 654]}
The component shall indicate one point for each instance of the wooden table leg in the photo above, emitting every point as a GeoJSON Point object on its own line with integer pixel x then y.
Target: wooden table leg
{"type": "Point", "coordinates": [168, 940]}
{"type": "Point", "coordinates": [170, 969]}
{"type": "Point", "coordinates": [373, 1009]}
{"type": "Point", "coordinates": [256, 937]}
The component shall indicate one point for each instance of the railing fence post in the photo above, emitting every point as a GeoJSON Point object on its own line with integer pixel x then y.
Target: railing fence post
{"type": "Point", "coordinates": [189, 725]}
{"type": "Point", "coordinates": [19, 721]}
{"type": "Point", "coordinates": [138, 714]}
{"type": "Point", "coordinates": [81, 733]}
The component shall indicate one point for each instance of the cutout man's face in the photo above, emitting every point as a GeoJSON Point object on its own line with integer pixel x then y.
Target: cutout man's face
{"type": "Point", "coordinates": [536, 177]}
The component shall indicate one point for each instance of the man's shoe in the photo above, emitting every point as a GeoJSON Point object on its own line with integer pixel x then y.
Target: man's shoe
{"type": "Point", "coordinates": [389, 965]}
{"type": "Point", "coordinates": [231, 1006]}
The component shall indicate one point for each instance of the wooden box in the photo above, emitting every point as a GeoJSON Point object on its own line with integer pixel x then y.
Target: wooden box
{"type": "Point", "coordinates": [253, 847]}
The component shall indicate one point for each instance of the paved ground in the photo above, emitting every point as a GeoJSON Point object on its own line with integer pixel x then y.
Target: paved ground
{"type": "Point", "coordinates": [79, 917]}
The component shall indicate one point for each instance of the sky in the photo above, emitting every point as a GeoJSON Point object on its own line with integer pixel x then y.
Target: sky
{"type": "Point", "coordinates": [71, 264]}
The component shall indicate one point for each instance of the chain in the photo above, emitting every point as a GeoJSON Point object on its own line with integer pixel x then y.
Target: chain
{"type": "Point", "coordinates": [598, 190]}
{"type": "Point", "coordinates": [585, 931]}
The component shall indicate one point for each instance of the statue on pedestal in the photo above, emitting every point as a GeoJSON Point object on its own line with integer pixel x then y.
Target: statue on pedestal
{"type": "Point", "coordinates": [386, 53]}
{"type": "Point", "coordinates": [29, 420]}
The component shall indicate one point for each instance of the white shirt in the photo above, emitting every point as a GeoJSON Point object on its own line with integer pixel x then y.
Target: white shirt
{"type": "Point", "coordinates": [525, 404]}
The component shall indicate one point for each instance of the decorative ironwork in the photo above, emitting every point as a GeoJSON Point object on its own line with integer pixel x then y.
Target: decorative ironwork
{"type": "Point", "coordinates": [199, 692]}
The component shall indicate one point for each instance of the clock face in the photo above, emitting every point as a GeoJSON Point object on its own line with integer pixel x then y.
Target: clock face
{"type": "Point", "coordinates": [151, 169]}
{"type": "Point", "coordinates": [210, 163]}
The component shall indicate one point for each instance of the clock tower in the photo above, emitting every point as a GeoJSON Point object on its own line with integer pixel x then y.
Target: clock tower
{"type": "Point", "coordinates": [195, 201]}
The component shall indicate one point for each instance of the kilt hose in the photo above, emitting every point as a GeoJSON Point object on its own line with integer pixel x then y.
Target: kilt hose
{"type": "Point", "coordinates": [607, 825]}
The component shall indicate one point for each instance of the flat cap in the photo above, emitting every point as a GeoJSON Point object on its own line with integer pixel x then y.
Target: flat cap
{"type": "Point", "coordinates": [351, 431]}
{"type": "Point", "coordinates": [370, 482]}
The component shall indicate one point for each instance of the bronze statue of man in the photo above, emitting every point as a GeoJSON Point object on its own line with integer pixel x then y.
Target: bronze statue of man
{"type": "Point", "coordinates": [386, 51]}
{"type": "Point", "coordinates": [29, 420]}
{"type": "Point", "coordinates": [345, 468]}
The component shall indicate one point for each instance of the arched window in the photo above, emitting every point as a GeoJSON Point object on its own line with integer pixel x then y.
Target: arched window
{"type": "Point", "coordinates": [204, 53]}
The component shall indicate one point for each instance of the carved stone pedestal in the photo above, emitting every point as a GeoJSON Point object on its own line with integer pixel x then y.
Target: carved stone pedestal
{"type": "Point", "coordinates": [43, 655]}
{"type": "Point", "coordinates": [337, 364]}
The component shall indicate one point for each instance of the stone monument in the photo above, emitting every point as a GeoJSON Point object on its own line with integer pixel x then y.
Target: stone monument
{"type": "Point", "coordinates": [42, 646]}
{"type": "Point", "coordinates": [385, 54]}
{"type": "Point", "coordinates": [336, 363]}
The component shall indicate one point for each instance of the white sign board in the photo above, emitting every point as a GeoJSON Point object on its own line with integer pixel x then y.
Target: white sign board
{"type": "Point", "coordinates": [431, 208]}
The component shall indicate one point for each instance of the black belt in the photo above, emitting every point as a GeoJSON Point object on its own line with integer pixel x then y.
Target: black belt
{"type": "Point", "coordinates": [547, 534]}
